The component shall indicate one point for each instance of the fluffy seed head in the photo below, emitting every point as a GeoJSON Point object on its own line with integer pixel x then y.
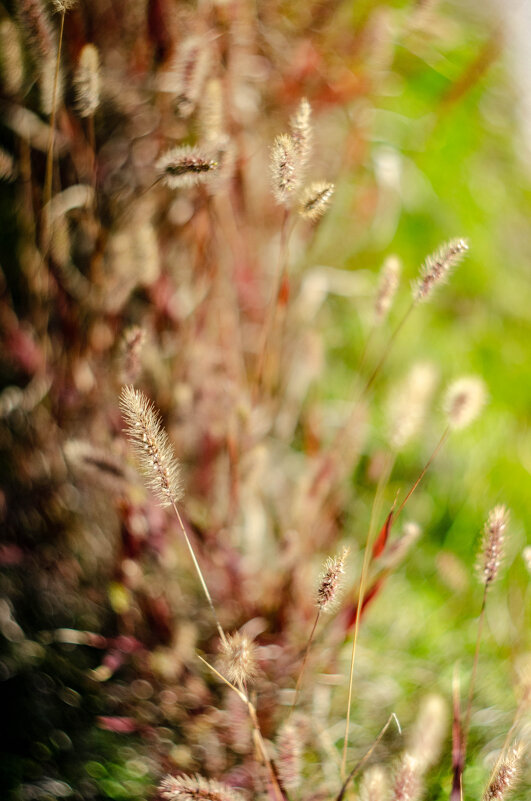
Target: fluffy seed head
{"type": "Point", "coordinates": [491, 553]}
{"type": "Point", "coordinates": [37, 26]}
{"type": "Point", "coordinates": [51, 91]}
{"type": "Point", "coordinates": [436, 268]}
{"type": "Point", "coordinates": [464, 400]}
{"type": "Point", "coordinates": [289, 756]}
{"type": "Point", "coordinates": [191, 788]}
{"type": "Point", "coordinates": [62, 6]}
{"type": "Point", "coordinates": [315, 200]}
{"type": "Point", "coordinates": [408, 406]}
{"type": "Point", "coordinates": [11, 61]}
{"type": "Point", "coordinates": [374, 784]}
{"type": "Point", "coordinates": [185, 166]}
{"type": "Point", "coordinates": [189, 71]}
{"type": "Point", "coordinates": [87, 81]}
{"type": "Point", "coordinates": [407, 785]}
{"type": "Point", "coordinates": [285, 172]}
{"type": "Point", "coordinates": [151, 445]}
{"type": "Point", "coordinates": [387, 287]}
{"type": "Point", "coordinates": [330, 581]}
{"type": "Point", "coordinates": [506, 775]}
{"type": "Point", "coordinates": [301, 132]}
{"type": "Point", "coordinates": [238, 659]}
{"type": "Point", "coordinates": [429, 732]}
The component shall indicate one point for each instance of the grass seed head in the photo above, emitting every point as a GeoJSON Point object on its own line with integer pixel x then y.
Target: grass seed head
{"type": "Point", "coordinates": [302, 133]}
{"type": "Point", "coordinates": [185, 166]}
{"type": "Point", "coordinates": [464, 400]}
{"type": "Point", "coordinates": [87, 81]}
{"type": "Point", "coordinates": [11, 58]}
{"type": "Point", "coordinates": [192, 788]}
{"type": "Point", "coordinates": [374, 784]}
{"type": "Point", "coordinates": [289, 748]}
{"type": "Point", "coordinates": [407, 784]}
{"type": "Point", "coordinates": [315, 200]}
{"type": "Point", "coordinates": [491, 554]}
{"type": "Point", "coordinates": [387, 287]}
{"type": "Point", "coordinates": [437, 267]}
{"type": "Point", "coordinates": [330, 582]}
{"type": "Point", "coordinates": [238, 658]}
{"type": "Point", "coordinates": [285, 171]}
{"type": "Point", "coordinates": [151, 445]}
{"type": "Point", "coordinates": [506, 775]}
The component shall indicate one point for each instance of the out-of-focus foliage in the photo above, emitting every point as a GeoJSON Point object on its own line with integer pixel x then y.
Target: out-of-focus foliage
{"type": "Point", "coordinates": [417, 121]}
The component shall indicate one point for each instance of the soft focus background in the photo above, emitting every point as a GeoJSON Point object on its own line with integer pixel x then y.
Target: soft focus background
{"type": "Point", "coordinates": [422, 119]}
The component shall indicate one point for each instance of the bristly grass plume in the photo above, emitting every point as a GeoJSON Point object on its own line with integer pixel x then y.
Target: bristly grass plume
{"type": "Point", "coordinates": [330, 582]}
{"type": "Point", "coordinates": [437, 267]}
{"type": "Point", "coordinates": [151, 445]}
{"type": "Point", "coordinates": [192, 788]}
{"type": "Point", "coordinates": [491, 554]}
{"type": "Point", "coordinates": [185, 166]}
{"type": "Point", "coordinates": [464, 400]}
{"type": "Point", "coordinates": [315, 200]}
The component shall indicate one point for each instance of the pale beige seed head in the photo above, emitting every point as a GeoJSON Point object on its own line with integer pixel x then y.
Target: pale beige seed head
{"type": "Point", "coordinates": [374, 785]}
{"type": "Point", "coordinates": [506, 776]}
{"type": "Point", "coordinates": [11, 60]}
{"type": "Point", "coordinates": [87, 81]}
{"type": "Point", "coordinates": [185, 166]}
{"type": "Point", "coordinates": [387, 287]}
{"type": "Point", "coordinates": [315, 200]}
{"type": "Point", "coordinates": [289, 748]}
{"type": "Point", "coordinates": [464, 400]}
{"type": "Point", "coordinates": [151, 445]}
{"type": "Point", "coordinates": [189, 72]}
{"type": "Point", "coordinates": [429, 732]}
{"type": "Point", "coordinates": [194, 788]}
{"type": "Point", "coordinates": [238, 659]}
{"type": "Point", "coordinates": [331, 581]}
{"type": "Point", "coordinates": [407, 782]}
{"type": "Point", "coordinates": [302, 133]}
{"type": "Point", "coordinates": [409, 404]}
{"type": "Point", "coordinates": [285, 172]}
{"type": "Point", "coordinates": [62, 6]}
{"type": "Point", "coordinates": [491, 553]}
{"type": "Point", "coordinates": [48, 85]}
{"type": "Point", "coordinates": [131, 345]}
{"type": "Point", "coordinates": [437, 267]}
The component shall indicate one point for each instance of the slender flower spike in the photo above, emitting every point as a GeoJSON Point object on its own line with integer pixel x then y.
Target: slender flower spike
{"type": "Point", "coordinates": [407, 785]}
{"type": "Point", "coordinates": [289, 756]}
{"type": "Point", "coordinates": [185, 166]}
{"type": "Point", "coordinates": [387, 287]}
{"type": "Point", "coordinates": [195, 788]}
{"type": "Point", "coordinates": [151, 445]}
{"type": "Point", "coordinates": [238, 656]}
{"type": "Point", "coordinates": [506, 775]}
{"type": "Point", "coordinates": [464, 400]}
{"type": "Point", "coordinates": [87, 81]}
{"type": "Point", "coordinates": [301, 132]}
{"type": "Point", "coordinates": [436, 268]}
{"type": "Point", "coordinates": [374, 784]}
{"type": "Point", "coordinates": [330, 582]}
{"type": "Point", "coordinates": [285, 172]}
{"type": "Point", "coordinates": [62, 6]}
{"type": "Point", "coordinates": [315, 200]}
{"type": "Point", "coordinates": [492, 547]}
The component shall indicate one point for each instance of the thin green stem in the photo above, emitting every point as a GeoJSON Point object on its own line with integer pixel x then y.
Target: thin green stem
{"type": "Point", "coordinates": [424, 470]}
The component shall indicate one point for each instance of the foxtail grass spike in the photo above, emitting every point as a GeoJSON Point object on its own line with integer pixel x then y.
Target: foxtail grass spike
{"type": "Point", "coordinates": [387, 287]}
{"type": "Point", "coordinates": [315, 200]}
{"type": "Point", "coordinates": [492, 546]}
{"type": "Point", "coordinates": [196, 788]}
{"type": "Point", "coordinates": [437, 267]}
{"type": "Point", "coordinates": [464, 400]}
{"type": "Point", "coordinates": [330, 582]}
{"type": "Point", "coordinates": [185, 166]}
{"type": "Point", "coordinates": [506, 775]}
{"type": "Point", "coordinates": [151, 445]}
{"type": "Point", "coordinates": [238, 658]}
